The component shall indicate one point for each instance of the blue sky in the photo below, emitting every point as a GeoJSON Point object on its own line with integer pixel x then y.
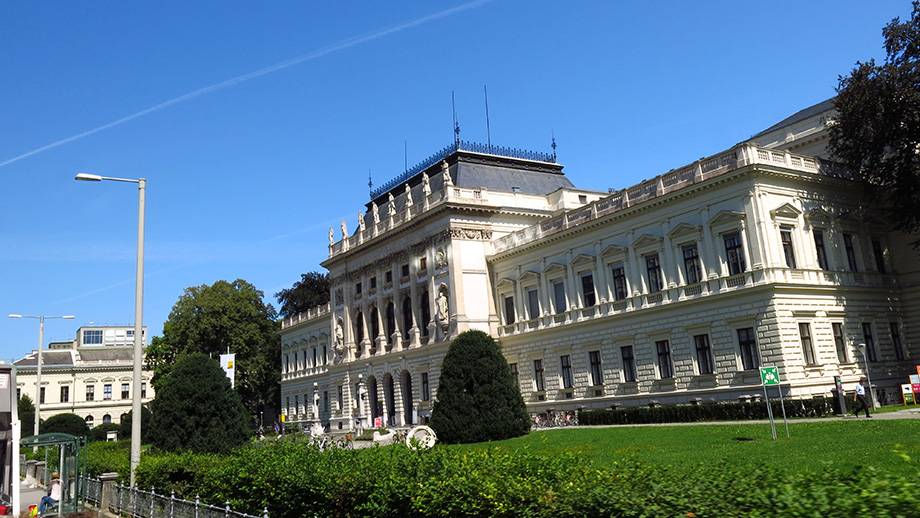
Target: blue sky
{"type": "Point", "coordinates": [256, 123]}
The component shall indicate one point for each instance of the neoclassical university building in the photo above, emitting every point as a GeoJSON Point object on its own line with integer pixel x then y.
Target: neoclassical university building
{"type": "Point", "coordinates": [672, 291]}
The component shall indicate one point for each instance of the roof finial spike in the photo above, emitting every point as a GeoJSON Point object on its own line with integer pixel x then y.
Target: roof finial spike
{"type": "Point", "coordinates": [453, 105]}
{"type": "Point", "coordinates": [553, 133]}
{"type": "Point", "coordinates": [488, 128]}
{"type": "Point", "coordinates": [370, 183]}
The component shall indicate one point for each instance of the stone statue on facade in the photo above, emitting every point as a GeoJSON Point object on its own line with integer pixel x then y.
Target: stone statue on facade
{"type": "Point", "coordinates": [331, 236]}
{"type": "Point", "coordinates": [445, 172]}
{"type": "Point", "coordinates": [339, 346]}
{"type": "Point", "coordinates": [375, 212]}
{"type": "Point", "coordinates": [408, 196]}
{"type": "Point", "coordinates": [391, 206]}
{"type": "Point", "coordinates": [360, 221]}
{"type": "Point", "coordinates": [443, 308]}
{"type": "Point", "coordinates": [426, 188]}
{"type": "Point", "coordinates": [344, 229]}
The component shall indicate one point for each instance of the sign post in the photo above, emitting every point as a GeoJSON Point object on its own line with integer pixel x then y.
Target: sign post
{"type": "Point", "coordinates": [770, 376]}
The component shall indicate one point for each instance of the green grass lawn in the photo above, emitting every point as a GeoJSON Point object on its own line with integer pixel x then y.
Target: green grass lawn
{"type": "Point", "coordinates": [810, 447]}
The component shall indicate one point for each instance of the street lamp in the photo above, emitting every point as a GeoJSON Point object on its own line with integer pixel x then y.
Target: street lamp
{"type": "Point", "coordinates": [862, 350]}
{"type": "Point", "coordinates": [138, 316]}
{"type": "Point", "coordinates": [38, 372]}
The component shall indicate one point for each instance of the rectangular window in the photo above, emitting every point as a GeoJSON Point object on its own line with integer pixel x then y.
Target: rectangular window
{"type": "Point", "coordinates": [819, 248]}
{"type": "Point", "coordinates": [587, 289]}
{"type": "Point", "coordinates": [533, 304]}
{"type": "Point", "coordinates": [388, 277]}
{"type": "Point", "coordinates": [325, 401]}
{"type": "Point", "coordinates": [125, 393]}
{"type": "Point", "coordinates": [107, 392]}
{"type": "Point", "coordinates": [879, 255]}
{"type": "Point", "coordinates": [559, 296]}
{"type": "Point", "coordinates": [357, 288]}
{"type": "Point", "coordinates": [288, 406]}
{"type": "Point", "coordinates": [514, 374]}
{"type": "Point", "coordinates": [896, 341]}
{"type": "Point", "coordinates": [629, 364]}
{"type": "Point", "coordinates": [653, 266]}
{"type": "Point", "coordinates": [423, 263]}
{"type": "Point", "coordinates": [42, 395]}
{"type": "Point", "coordinates": [296, 404]}
{"type": "Point", "coordinates": [703, 354]}
{"type": "Point", "coordinates": [619, 283]}
{"type": "Point", "coordinates": [665, 370]}
{"type": "Point", "coordinates": [539, 381]}
{"type": "Point", "coordinates": [840, 343]}
{"type": "Point", "coordinates": [65, 394]}
{"type": "Point", "coordinates": [597, 370]}
{"type": "Point", "coordinates": [565, 363]}
{"type": "Point", "coordinates": [509, 310]}
{"type": "Point", "coordinates": [426, 388]}
{"type": "Point", "coordinates": [143, 390]}
{"type": "Point", "coordinates": [92, 337]}
{"type": "Point", "coordinates": [750, 360]}
{"type": "Point", "coordinates": [373, 282]}
{"type": "Point", "coordinates": [90, 392]}
{"type": "Point", "coordinates": [692, 269]}
{"type": "Point", "coordinates": [340, 397]}
{"type": "Point", "coordinates": [869, 341]}
{"type": "Point", "coordinates": [851, 252]}
{"type": "Point", "coordinates": [405, 270]}
{"type": "Point", "coordinates": [734, 253]}
{"type": "Point", "coordinates": [808, 351]}
{"type": "Point", "coordinates": [785, 235]}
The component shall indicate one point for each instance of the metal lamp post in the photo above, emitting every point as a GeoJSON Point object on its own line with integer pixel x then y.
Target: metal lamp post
{"type": "Point", "coordinates": [138, 317]}
{"type": "Point", "coordinates": [862, 350]}
{"type": "Point", "coordinates": [38, 372]}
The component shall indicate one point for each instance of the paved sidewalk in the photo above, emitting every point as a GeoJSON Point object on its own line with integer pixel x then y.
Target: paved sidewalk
{"type": "Point", "coordinates": [29, 496]}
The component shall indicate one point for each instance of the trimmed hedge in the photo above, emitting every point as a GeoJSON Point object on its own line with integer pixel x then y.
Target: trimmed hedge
{"type": "Point", "coordinates": [818, 407]}
{"type": "Point", "coordinates": [298, 480]}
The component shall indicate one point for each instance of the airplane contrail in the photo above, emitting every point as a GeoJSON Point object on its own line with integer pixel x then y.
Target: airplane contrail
{"type": "Point", "coordinates": [344, 44]}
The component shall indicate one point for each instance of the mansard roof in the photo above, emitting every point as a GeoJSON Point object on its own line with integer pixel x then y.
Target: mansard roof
{"type": "Point", "coordinates": [799, 116]}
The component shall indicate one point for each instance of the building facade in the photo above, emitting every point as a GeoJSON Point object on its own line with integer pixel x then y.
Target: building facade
{"type": "Point", "coordinates": [91, 376]}
{"type": "Point", "coordinates": [672, 291]}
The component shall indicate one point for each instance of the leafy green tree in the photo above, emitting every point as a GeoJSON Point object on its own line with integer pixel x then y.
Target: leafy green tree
{"type": "Point", "coordinates": [100, 432]}
{"type": "Point", "coordinates": [65, 423]}
{"type": "Point", "coordinates": [196, 409]}
{"type": "Point", "coordinates": [310, 291]}
{"type": "Point", "coordinates": [477, 399]}
{"type": "Point", "coordinates": [127, 423]}
{"type": "Point", "coordinates": [877, 129]}
{"type": "Point", "coordinates": [220, 318]}
{"type": "Point", "coordinates": [26, 411]}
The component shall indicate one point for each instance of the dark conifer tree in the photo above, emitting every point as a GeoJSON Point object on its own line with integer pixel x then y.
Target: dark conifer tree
{"type": "Point", "coordinates": [477, 399]}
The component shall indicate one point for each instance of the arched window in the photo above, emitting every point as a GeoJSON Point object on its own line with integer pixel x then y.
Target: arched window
{"type": "Point", "coordinates": [89, 421]}
{"type": "Point", "coordinates": [106, 419]}
{"type": "Point", "coordinates": [391, 322]}
{"type": "Point", "coordinates": [375, 324]}
{"type": "Point", "coordinates": [426, 312]}
{"type": "Point", "coordinates": [407, 317]}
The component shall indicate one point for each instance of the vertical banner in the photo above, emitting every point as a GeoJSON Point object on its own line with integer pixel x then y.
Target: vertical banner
{"type": "Point", "coordinates": [228, 362]}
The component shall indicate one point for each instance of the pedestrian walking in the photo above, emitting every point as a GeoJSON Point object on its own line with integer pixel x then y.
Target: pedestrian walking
{"type": "Point", "coordinates": [860, 398]}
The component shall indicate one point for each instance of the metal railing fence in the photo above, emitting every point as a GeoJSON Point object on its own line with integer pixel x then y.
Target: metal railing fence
{"type": "Point", "coordinates": [138, 503]}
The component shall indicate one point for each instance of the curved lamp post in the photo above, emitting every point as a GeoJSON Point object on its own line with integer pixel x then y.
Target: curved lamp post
{"type": "Point", "coordinates": [38, 372]}
{"type": "Point", "coordinates": [138, 316]}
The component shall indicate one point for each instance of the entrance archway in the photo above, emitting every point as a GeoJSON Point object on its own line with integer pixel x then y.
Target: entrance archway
{"type": "Point", "coordinates": [389, 397]}
{"type": "Point", "coordinates": [406, 387]}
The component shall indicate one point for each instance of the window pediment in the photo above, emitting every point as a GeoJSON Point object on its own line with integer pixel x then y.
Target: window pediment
{"type": "Point", "coordinates": [553, 268]}
{"type": "Point", "coordinates": [613, 250]}
{"type": "Point", "coordinates": [582, 259]}
{"type": "Point", "coordinates": [818, 214]}
{"type": "Point", "coordinates": [786, 210]}
{"type": "Point", "coordinates": [504, 283]}
{"type": "Point", "coordinates": [724, 217]}
{"type": "Point", "coordinates": [684, 229]}
{"type": "Point", "coordinates": [647, 240]}
{"type": "Point", "coordinates": [529, 275]}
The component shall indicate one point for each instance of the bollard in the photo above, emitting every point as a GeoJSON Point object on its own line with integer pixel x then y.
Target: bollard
{"type": "Point", "coordinates": [108, 482]}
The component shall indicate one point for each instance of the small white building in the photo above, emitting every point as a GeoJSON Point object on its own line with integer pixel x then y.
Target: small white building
{"type": "Point", "coordinates": [91, 376]}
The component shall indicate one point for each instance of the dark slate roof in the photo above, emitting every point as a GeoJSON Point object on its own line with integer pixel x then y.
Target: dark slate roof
{"type": "Point", "coordinates": [799, 116]}
{"type": "Point", "coordinates": [48, 358]}
{"type": "Point", "coordinates": [105, 354]}
{"type": "Point", "coordinates": [497, 178]}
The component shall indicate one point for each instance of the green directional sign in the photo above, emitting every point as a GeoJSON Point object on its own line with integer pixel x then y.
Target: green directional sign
{"type": "Point", "coordinates": [769, 376]}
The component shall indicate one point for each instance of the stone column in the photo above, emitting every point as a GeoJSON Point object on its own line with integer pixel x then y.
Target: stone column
{"type": "Point", "coordinates": [108, 486]}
